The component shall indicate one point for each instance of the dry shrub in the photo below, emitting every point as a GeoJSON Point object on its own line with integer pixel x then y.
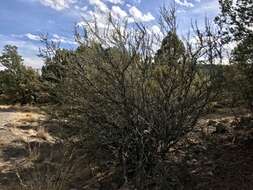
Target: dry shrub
{"type": "Point", "coordinates": [60, 168]}
{"type": "Point", "coordinates": [132, 104]}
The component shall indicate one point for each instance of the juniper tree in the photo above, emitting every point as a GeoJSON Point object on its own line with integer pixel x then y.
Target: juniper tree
{"type": "Point", "coordinates": [19, 83]}
{"type": "Point", "coordinates": [236, 19]}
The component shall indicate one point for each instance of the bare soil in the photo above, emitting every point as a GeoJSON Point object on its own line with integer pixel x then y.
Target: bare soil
{"type": "Point", "coordinates": [219, 151]}
{"type": "Point", "coordinates": [19, 128]}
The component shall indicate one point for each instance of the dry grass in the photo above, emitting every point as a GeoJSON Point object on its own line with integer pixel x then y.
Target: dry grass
{"type": "Point", "coordinates": [42, 134]}
{"type": "Point", "coordinates": [67, 168]}
{"type": "Point", "coordinates": [49, 175]}
{"type": "Point", "coordinates": [19, 108]}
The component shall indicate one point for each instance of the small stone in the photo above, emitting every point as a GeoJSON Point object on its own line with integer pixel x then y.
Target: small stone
{"type": "Point", "coordinates": [211, 122]}
{"type": "Point", "coordinates": [220, 128]}
{"type": "Point", "coordinates": [211, 129]}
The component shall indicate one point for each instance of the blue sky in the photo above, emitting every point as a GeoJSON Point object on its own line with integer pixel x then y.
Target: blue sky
{"type": "Point", "coordinates": [22, 21]}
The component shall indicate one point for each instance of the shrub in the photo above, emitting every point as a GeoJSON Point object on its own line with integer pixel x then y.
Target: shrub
{"type": "Point", "coordinates": [133, 104]}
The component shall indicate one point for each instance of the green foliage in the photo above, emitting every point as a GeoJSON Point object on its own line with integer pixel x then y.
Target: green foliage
{"type": "Point", "coordinates": [235, 18]}
{"type": "Point", "coordinates": [236, 21]}
{"type": "Point", "coordinates": [54, 73]}
{"type": "Point", "coordinates": [129, 105]}
{"type": "Point", "coordinates": [18, 83]}
{"type": "Point", "coordinates": [172, 49]}
{"type": "Point", "coordinates": [242, 58]}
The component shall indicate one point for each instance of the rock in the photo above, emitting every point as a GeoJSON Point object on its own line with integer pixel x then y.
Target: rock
{"type": "Point", "coordinates": [225, 121]}
{"type": "Point", "coordinates": [211, 129]}
{"type": "Point", "coordinates": [215, 127]}
{"type": "Point", "coordinates": [234, 123]}
{"type": "Point", "coordinates": [211, 122]}
{"type": "Point", "coordinates": [221, 128]}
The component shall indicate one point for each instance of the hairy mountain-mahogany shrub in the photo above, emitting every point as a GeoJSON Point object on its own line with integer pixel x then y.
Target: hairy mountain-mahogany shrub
{"type": "Point", "coordinates": [133, 104]}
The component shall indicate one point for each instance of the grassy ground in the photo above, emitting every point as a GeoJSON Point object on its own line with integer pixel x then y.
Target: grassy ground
{"type": "Point", "coordinates": [218, 155]}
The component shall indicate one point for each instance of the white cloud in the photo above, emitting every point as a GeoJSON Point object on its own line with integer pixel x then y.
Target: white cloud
{"type": "Point", "coordinates": [101, 6]}
{"type": "Point", "coordinates": [135, 12]}
{"type": "Point", "coordinates": [56, 36]}
{"type": "Point", "coordinates": [181, 11]}
{"type": "Point", "coordinates": [2, 68]}
{"type": "Point", "coordinates": [117, 12]}
{"type": "Point", "coordinates": [136, 1]}
{"type": "Point", "coordinates": [81, 24]}
{"type": "Point", "coordinates": [18, 43]}
{"type": "Point", "coordinates": [78, 8]}
{"type": "Point", "coordinates": [139, 16]}
{"type": "Point", "coordinates": [230, 46]}
{"type": "Point", "coordinates": [155, 29]}
{"type": "Point", "coordinates": [101, 18]}
{"type": "Point", "coordinates": [184, 3]}
{"type": "Point", "coordinates": [206, 8]}
{"type": "Point", "coordinates": [98, 19]}
{"type": "Point", "coordinates": [34, 62]}
{"type": "Point", "coordinates": [27, 49]}
{"type": "Point", "coordinates": [32, 37]}
{"type": "Point", "coordinates": [62, 39]}
{"type": "Point", "coordinates": [250, 27]}
{"type": "Point", "coordinates": [116, 1]}
{"type": "Point", "coordinates": [57, 4]}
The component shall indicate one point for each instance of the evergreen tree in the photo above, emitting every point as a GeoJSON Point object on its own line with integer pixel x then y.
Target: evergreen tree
{"type": "Point", "coordinates": [18, 82]}
{"type": "Point", "coordinates": [54, 72]}
{"type": "Point", "coordinates": [236, 19]}
{"type": "Point", "coordinates": [171, 50]}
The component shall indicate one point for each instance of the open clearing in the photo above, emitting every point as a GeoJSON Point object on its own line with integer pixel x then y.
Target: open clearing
{"type": "Point", "coordinates": [18, 128]}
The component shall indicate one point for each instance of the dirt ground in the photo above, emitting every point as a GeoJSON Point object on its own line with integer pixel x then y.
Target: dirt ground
{"type": "Point", "coordinates": [19, 127]}
{"type": "Point", "coordinates": [221, 149]}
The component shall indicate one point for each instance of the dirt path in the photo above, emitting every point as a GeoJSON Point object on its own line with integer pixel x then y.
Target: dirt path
{"type": "Point", "coordinates": [19, 127]}
{"type": "Point", "coordinates": [6, 117]}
